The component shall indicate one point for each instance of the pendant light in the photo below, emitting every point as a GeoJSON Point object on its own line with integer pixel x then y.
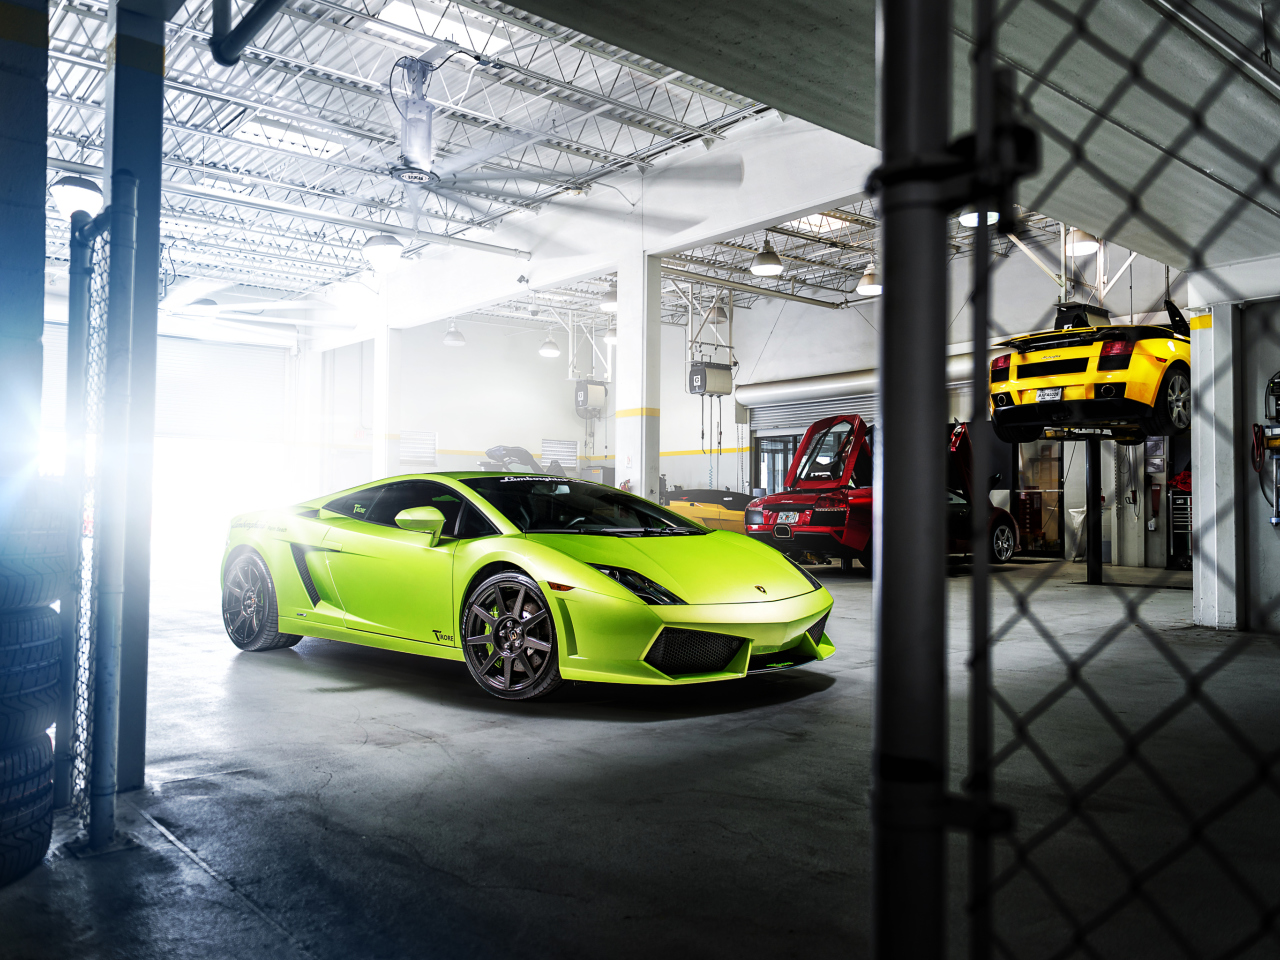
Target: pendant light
{"type": "Point", "coordinates": [1080, 244]}
{"type": "Point", "coordinates": [610, 302]}
{"type": "Point", "coordinates": [767, 263]}
{"type": "Point", "coordinates": [869, 285]}
{"type": "Point", "coordinates": [453, 337]}
{"type": "Point", "coordinates": [970, 218]}
{"type": "Point", "coordinates": [76, 193]}
{"type": "Point", "coordinates": [611, 334]}
{"type": "Point", "coordinates": [549, 348]}
{"type": "Point", "coordinates": [382, 251]}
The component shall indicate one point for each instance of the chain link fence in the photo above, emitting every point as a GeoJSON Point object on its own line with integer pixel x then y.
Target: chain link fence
{"type": "Point", "coordinates": [1137, 754]}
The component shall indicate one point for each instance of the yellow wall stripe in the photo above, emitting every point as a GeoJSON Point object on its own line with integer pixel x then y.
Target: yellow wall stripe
{"type": "Point", "coordinates": [638, 412]}
{"type": "Point", "coordinates": [702, 453]}
{"type": "Point", "coordinates": [1202, 322]}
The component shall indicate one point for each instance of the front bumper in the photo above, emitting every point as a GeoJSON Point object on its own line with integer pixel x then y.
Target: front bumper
{"type": "Point", "coordinates": [605, 639]}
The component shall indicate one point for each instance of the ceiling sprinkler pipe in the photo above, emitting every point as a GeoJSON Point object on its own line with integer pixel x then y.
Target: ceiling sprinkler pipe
{"type": "Point", "coordinates": [228, 43]}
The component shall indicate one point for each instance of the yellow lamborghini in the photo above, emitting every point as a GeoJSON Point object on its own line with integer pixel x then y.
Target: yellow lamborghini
{"type": "Point", "coordinates": [1131, 381]}
{"type": "Point", "coordinates": [717, 509]}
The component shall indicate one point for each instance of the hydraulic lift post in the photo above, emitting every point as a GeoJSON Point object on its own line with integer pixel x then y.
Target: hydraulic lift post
{"type": "Point", "coordinates": [1093, 509]}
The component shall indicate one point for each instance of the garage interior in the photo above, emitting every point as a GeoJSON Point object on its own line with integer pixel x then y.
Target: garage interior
{"type": "Point", "coordinates": [650, 247]}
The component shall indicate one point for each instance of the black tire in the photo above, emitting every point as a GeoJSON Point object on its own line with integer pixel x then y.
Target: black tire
{"type": "Point", "coordinates": [864, 558]}
{"type": "Point", "coordinates": [1016, 434]}
{"type": "Point", "coordinates": [26, 806]}
{"type": "Point", "coordinates": [1171, 415]}
{"type": "Point", "coordinates": [1004, 541]}
{"type": "Point", "coordinates": [846, 565]}
{"type": "Point", "coordinates": [34, 537]}
{"type": "Point", "coordinates": [29, 669]}
{"type": "Point", "coordinates": [249, 610]}
{"type": "Point", "coordinates": [509, 638]}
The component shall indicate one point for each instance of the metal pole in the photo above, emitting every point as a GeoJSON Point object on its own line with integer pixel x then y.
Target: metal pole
{"type": "Point", "coordinates": [978, 784]}
{"type": "Point", "coordinates": [73, 487]}
{"type": "Point", "coordinates": [1093, 509]}
{"type": "Point", "coordinates": [910, 764]}
{"type": "Point", "coordinates": [109, 529]}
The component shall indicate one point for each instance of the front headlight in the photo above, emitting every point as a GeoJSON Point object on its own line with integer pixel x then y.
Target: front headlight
{"type": "Point", "coordinates": [651, 593]}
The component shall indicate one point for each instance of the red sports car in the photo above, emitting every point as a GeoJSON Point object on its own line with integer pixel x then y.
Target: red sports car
{"type": "Point", "coordinates": [825, 511]}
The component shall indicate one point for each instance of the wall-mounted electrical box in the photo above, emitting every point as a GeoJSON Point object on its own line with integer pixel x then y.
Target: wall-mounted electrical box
{"type": "Point", "coordinates": [710, 379]}
{"type": "Point", "coordinates": [590, 398]}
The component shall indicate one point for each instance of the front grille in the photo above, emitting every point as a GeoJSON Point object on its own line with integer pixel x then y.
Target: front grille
{"type": "Point", "coordinates": [678, 651]}
{"type": "Point", "coordinates": [815, 632]}
{"type": "Point", "coordinates": [828, 518]}
{"type": "Point", "coordinates": [780, 660]}
{"type": "Point", "coordinates": [1050, 368]}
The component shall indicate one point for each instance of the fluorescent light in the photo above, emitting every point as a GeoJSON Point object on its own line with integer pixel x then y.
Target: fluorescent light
{"type": "Point", "coordinates": [766, 263]}
{"type": "Point", "coordinates": [76, 193]}
{"type": "Point", "coordinates": [970, 218]}
{"type": "Point", "coordinates": [869, 285]}
{"type": "Point", "coordinates": [453, 337]}
{"type": "Point", "coordinates": [290, 137]}
{"type": "Point", "coordinates": [383, 251]}
{"type": "Point", "coordinates": [549, 347]}
{"type": "Point", "coordinates": [610, 302]}
{"type": "Point", "coordinates": [1080, 244]}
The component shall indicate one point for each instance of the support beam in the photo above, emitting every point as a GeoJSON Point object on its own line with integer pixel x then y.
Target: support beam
{"type": "Point", "coordinates": [134, 138]}
{"type": "Point", "coordinates": [23, 43]}
{"type": "Point", "coordinates": [386, 402]}
{"type": "Point", "coordinates": [1093, 509]}
{"type": "Point", "coordinates": [747, 288]}
{"type": "Point", "coordinates": [637, 372]}
{"type": "Point", "coordinates": [1217, 456]}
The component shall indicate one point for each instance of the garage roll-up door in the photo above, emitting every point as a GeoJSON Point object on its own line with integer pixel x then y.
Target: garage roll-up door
{"type": "Point", "coordinates": [206, 389]}
{"type": "Point", "coordinates": [798, 415]}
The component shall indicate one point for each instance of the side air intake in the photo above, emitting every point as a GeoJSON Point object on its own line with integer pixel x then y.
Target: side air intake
{"type": "Point", "coordinates": [300, 560]}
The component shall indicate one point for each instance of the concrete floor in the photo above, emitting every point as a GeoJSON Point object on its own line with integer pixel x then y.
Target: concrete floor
{"type": "Point", "coordinates": [332, 801]}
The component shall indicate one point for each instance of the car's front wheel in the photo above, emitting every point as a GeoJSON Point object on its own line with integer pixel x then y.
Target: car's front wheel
{"type": "Point", "coordinates": [509, 638]}
{"type": "Point", "coordinates": [249, 609]}
{"type": "Point", "coordinates": [1003, 542]}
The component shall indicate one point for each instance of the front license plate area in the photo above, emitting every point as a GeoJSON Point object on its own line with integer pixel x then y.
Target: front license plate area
{"type": "Point", "coordinates": [1048, 393]}
{"type": "Point", "coordinates": [789, 516]}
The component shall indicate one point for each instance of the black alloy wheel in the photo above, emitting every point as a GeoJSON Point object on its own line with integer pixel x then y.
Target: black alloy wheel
{"type": "Point", "coordinates": [1172, 404]}
{"type": "Point", "coordinates": [509, 638]}
{"type": "Point", "coordinates": [1003, 542]}
{"type": "Point", "coordinates": [249, 609]}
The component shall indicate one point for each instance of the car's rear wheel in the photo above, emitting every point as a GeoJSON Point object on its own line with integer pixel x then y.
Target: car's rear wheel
{"type": "Point", "coordinates": [249, 610]}
{"type": "Point", "coordinates": [1003, 542]}
{"type": "Point", "coordinates": [1172, 407]}
{"type": "Point", "coordinates": [509, 638]}
{"type": "Point", "coordinates": [1017, 434]}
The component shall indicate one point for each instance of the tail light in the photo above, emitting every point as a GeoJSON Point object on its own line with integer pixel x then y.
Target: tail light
{"type": "Point", "coordinates": [1000, 368]}
{"type": "Point", "coordinates": [1117, 348]}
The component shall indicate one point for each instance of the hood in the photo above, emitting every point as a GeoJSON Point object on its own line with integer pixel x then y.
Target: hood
{"type": "Point", "coordinates": [719, 567]}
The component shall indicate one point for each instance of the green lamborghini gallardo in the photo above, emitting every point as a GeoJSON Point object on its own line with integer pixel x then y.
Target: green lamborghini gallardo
{"type": "Point", "coordinates": [528, 580]}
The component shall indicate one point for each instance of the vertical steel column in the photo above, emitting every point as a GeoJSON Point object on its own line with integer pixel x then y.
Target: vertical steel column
{"type": "Point", "coordinates": [110, 519]}
{"type": "Point", "coordinates": [910, 769]}
{"type": "Point", "coordinates": [1093, 509]}
{"type": "Point", "coordinates": [73, 473]}
{"type": "Point", "coordinates": [134, 137]}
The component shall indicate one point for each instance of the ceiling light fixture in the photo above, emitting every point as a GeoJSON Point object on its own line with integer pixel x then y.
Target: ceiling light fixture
{"type": "Point", "coordinates": [611, 334]}
{"type": "Point", "coordinates": [767, 263]}
{"type": "Point", "coordinates": [869, 285]}
{"type": "Point", "coordinates": [970, 218]}
{"type": "Point", "coordinates": [1080, 244]}
{"type": "Point", "coordinates": [549, 346]}
{"type": "Point", "coordinates": [382, 251]}
{"type": "Point", "coordinates": [453, 336]}
{"type": "Point", "coordinates": [76, 193]}
{"type": "Point", "coordinates": [718, 315]}
{"type": "Point", "coordinates": [610, 302]}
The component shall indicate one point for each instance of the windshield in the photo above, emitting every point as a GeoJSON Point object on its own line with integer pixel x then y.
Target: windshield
{"type": "Point", "coordinates": [554, 505]}
{"type": "Point", "coordinates": [825, 458]}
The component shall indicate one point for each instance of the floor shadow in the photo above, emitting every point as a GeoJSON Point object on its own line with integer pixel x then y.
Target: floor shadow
{"type": "Point", "coordinates": [330, 668]}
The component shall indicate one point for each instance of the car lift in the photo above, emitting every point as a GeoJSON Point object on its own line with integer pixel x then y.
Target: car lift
{"type": "Point", "coordinates": [1092, 437]}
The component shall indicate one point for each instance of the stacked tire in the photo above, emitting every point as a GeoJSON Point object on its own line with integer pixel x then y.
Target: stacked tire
{"type": "Point", "coordinates": [33, 568]}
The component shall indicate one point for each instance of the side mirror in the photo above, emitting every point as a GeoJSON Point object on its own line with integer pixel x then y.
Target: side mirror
{"type": "Point", "coordinates": [994, 480]}
{"type": "Point", "coordinates": [426, 520]}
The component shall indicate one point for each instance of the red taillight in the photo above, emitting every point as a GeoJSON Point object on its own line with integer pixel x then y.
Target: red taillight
{"type": "Point", "coordinates": [1001, 363]}
{"type": "Point", "coordinates": [1117, 348]}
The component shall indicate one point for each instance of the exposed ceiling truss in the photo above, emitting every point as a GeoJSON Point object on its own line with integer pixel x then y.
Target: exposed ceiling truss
{"type": "Point", "coordinates": [267, 163]}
